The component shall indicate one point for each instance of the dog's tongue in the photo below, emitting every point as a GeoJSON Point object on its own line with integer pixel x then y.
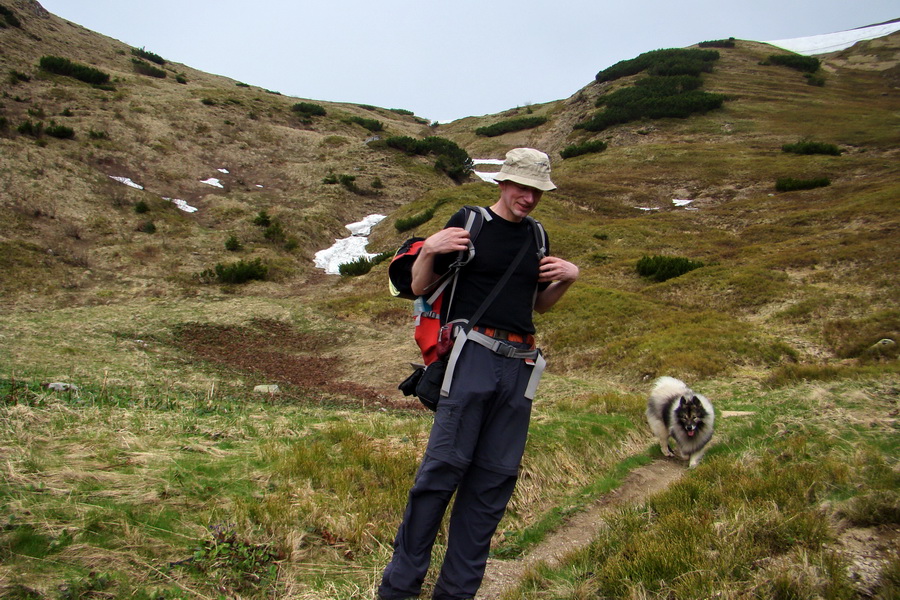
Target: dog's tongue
{"type": "Point", "coordinates": [690, 433]}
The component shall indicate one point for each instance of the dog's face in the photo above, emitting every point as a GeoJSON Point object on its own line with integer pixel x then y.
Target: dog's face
{"type": "Point", "coordinates": [689, 414]}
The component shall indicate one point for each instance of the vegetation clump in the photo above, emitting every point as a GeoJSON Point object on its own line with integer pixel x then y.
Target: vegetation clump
{"type": "Point", "coordinates": [585, 148]}
{"type": "Point", "coordinates": [805, 64]}
{"type": "Point", "coordinates": [147, 55]}
{"type": "Point", "coordinates": [145, 68]}
{"type": "Point", "coordinates": [655, 97]}
{"type": "Point", "coordinates": [729, 43]}
{"type": "Point", "coordinates": [451, 159]}
{"type": "Point", "coordinates": [309, 109]}
{"type": "Point", "coordinates": [362, 265]}
{"type": "Point", "coordinates": [791, 184]}
{"type": "Point", "coordinates": [67, 68]}
{"type": "Point", "coordinates": [510, 125]}
{"type": "Point", "coordinates": [663, 268]}
{"type": "Point", "coordinates": [373, 125]}
{"type": "Point", "coordinates": [238, 272]}
{"type": "Point", "coordinates": [811, 147]}
{"type": "Point", "coordinates": [666, 62]}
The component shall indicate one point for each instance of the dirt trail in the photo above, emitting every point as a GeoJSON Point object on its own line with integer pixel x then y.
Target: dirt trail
{"type": "Point", "coordinates": [578, 532]}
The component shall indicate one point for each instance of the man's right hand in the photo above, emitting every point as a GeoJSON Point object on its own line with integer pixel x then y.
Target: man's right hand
{"type": "Point", "coordinates": [451, 239]}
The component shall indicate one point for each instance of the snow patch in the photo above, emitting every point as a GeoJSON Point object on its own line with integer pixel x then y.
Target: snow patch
{"type": "Point", "coordinates": [486, 175]}
{"type": "Point", "coordinates": [181, 204]}
{"type": "Point", "coordinates": [127, 182]}
{"type": "Point", "coordinates": [348, 249]}
{"type": "Point", "coordinates": [213, 182]}
{"type": "Point", "coordinates": [832, 42]}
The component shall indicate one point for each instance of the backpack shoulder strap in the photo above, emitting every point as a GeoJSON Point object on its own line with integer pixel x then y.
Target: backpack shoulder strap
{"type": "Point", "coordinates": [540, 236]}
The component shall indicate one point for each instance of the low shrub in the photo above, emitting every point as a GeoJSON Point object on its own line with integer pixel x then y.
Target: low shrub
{"type": "Point", "coordinates": [814, 79]}
{"type": "Point", "coordinates": [262, 219]}
{"type": "Point", "coordinates": [60, 131]}
{"type": "Point", "coordinates": [146, 227]}
{"type": "Point", "coordinates": [810, 147]}
{"type": "Point", "coordinates": [362, 265]}
{"type": "Point", "coordinates": [34, 130]}
{"type": "Point", "coordinates": [65, 67]}
{"type": "Point", "coordinates": [180, 78]}
{"type": "Point", "coordinates": [806, 64]}
{"type": "Point", "coordinates": [373, 125]}
{"type": "Point", "coordinates": [656, 97]}
{"type": "Point", "coordinates": [671, 61]}
{"type": "Point", "coordinates": [789, 184]}
{"type": "Point", "coordinates": [154, 58]}
{"type": "Point", "coordinates": [729, 43]}
{"type": "Point", "coordinates": [510, 125]}
{"type": "Point", "coordinates": [663, 268]}
{"type": "Point", "coordinates": [585, 148]}
{"type": "Point", "coordinates": [141, 207]}
{"type": "Point", "coordinates": [240, 272]}
{"type": "Point", "coordinates": [451, 159]}
{"type": "Point", "coordinates": [309, 109]}
{"type": "Point", "coordinates": [145, 68]}
{"type": "Point", "coordinates": [411, 222]}
{"type": "Point", "coordinates": [98, 135]}
{"type": "Point", "coordinates": [232, 244]}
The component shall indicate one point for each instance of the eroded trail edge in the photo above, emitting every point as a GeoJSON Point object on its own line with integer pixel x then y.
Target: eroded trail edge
{"type": "Point", "coordinates": [578, 532]}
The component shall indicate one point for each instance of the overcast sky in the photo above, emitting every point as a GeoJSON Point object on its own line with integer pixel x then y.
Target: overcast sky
{"type": "Point", "coordinates": [444, 60]}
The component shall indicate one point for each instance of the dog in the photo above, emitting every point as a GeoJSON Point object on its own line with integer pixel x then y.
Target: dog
{"type": "Point", "coordinates": [675, 411]}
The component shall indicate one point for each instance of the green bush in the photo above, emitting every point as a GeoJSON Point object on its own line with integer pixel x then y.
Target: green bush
{"type": "Point", "coordinates": [789, 184]}
{"type": "Point", "coordinates": [180, 78]}
{"type": "Point", "coordinates": [654, 97]}
{"type": "Point", "coordinates": [510, 125]}
{"type": "Point", "coordinates": [729, 43]}
{"type": "Point", "coordinates": [262, 219]}
{"type": "Point", "coordinates": [232, 244]}
{"type": "Point", "coordinates": [240, 272]}
{"type": "Point", "coordinates": [407, 223]}
{"type": "Point", "coordinates": [373, 125]}
{"type": "Point", "coordinates": [145, 68]}
{"type": "Point", "coordinates": [63, 66]}
{"type": "Point", "coordinates": [806, 64]}
{"type": "Point", "coordinates": [451, 159]}
{"type": "Point", "coordinates": [672, 61]}
{"type": "Point", "coordinates": [585, 148]}
{"type": "Point", "coordinates": [60, 131]}
{"type": "Point", "coordinates": [34, 130]}
{"type": "Point", "coordinates": [309, 109]}
{"type": "Point", "coordinates": [141, 207]}
{"type": "Point", "coordinates": [154, 58]}
{"type": "Point", "coordinates": [147, 227]}
{"type": "Point", "coordinates": [362, 265]}
{"type": "Point", "coordinates": [814, 79]}
{"type": "Point", "coordinates": [810, 147]}
{"type": "Point", "coordinates": [662, 268]}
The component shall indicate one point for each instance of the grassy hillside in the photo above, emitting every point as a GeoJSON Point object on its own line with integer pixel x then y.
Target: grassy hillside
{"type": "Point", "coordinates": [164, 475]}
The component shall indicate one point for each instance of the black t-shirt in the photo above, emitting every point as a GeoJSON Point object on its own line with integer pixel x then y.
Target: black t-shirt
{"type": "Point", "coordinates": [496, 246]}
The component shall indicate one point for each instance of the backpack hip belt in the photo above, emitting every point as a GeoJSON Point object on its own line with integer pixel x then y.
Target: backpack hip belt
{"type": "Point", "coordinates": [498, 347]}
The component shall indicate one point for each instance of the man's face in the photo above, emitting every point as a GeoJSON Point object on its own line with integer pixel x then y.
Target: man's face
{"type": "Point", "coordinates": [516, 200]}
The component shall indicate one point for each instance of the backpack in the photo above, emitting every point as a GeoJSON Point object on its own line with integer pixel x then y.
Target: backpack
{"type": "Point", "coordinates": [431, 310]}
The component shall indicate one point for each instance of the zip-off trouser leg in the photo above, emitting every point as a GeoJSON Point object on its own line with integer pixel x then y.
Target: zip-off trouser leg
{"type": "Point", "coordinates": [476, 444]}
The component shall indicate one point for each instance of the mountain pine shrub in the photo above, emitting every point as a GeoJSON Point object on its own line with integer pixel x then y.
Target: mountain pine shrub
{"type": "Point", "coordinates": [232, 244]}
{"type": "Point", "coordinates": [806, 64]}
{"type": "Point", "coordinates": [451, 159]}
{"type": "Point", "coordinates": [145, 68]}
{"type": "Point", "coordinates": [373, 125]}
{"type": "Point", "coordinates": [729, 43]}
{"type": "Point", "coordinates": [238, 272]}
{"type": "Point", "coordinates": [672, 61]}
{"type": "Point", "coordinates": [309, 109]}
{"type": "Point", "coordinates": [28, 128]}
{"type": "Point", "coordinates": [810, 147]}
{"type": "Point", "coordinates": [789, 184]}
{"type": "Point", "coordinates": [67, 68]}
{"type": "Point", "coordinates": [59, 131]}
{"type": "Point", "coordinates": [510, 125]}
{"type": "Point", "coordinates": [585, 148]}
{"type": "Point", "coordinates": [663, 268]}
{"type": "Point", "coordinates": [146, 55]}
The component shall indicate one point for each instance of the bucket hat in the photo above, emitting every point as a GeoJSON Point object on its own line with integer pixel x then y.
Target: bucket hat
{"type": "Point", "coordinates": [527, 166]}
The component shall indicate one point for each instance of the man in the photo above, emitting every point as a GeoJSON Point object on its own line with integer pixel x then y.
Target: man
{"type": "Point", "coordinates": [480, 428]}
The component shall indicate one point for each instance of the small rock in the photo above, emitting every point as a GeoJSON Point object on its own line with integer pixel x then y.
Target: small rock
{"type": "Point", "coordinates": [57, 386]}
{"type": "Point", "coordinates": [267, 389]}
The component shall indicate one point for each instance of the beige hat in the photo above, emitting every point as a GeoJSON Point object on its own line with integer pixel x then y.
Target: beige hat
{"type": "Point", "coordinates": [527, 166]}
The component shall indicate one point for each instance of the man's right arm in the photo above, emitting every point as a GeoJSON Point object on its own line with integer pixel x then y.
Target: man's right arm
{"type": "Point", "coordinates": [451, 239]}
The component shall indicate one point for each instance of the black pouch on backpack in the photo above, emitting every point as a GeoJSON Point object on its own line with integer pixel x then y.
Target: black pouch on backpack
{"type": "Point", "coordinates": [408, 387]}
{"type": "Point", "coordinates": [428, 389]}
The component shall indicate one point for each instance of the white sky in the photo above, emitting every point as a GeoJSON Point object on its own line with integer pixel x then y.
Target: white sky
{"type": "Point", "coordinates": [444, 60]}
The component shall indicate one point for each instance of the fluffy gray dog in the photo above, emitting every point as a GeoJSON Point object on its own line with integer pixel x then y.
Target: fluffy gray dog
{"type": "Point", "coordinates": [673, 410]}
